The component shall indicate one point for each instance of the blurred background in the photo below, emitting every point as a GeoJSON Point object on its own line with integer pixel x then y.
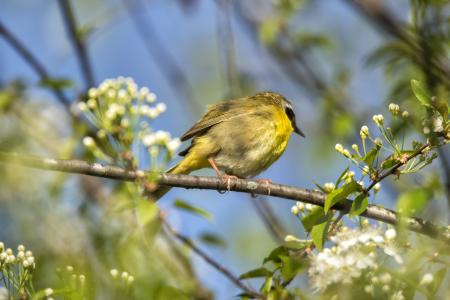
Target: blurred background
{"type": "Point", "coordinates": [338, 62]}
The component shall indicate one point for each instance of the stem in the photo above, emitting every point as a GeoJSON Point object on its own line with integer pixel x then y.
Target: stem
{"type": "Point", "coordinates": [396, 167]}
{"type": "Point", "coordinates": [185, 240]}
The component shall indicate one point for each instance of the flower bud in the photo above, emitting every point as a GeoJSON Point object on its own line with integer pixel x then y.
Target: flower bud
{"type": "Point", "coordinates": [329, 187]}
{"type": "Point", "coordinates": [114, 273]}
{"type": "Point", "coordinates": [378, 119]}
{"type": "Point", "coordinates": [390, 234]}
{"type": "Point", "coordinates": [339, 148]}
{"type": "Point", "coordinates": [364, 132]}
{"type": "Point", "coordinates": [48, 292]}
{"type": "Point", "coordinates": [394, 109]}
{"type": "Point", "coordinates": [426, 279]}
{"type": "Point", "coordinates": [376, 187]}
{"type": "Point", "coordinates": [88, 142]}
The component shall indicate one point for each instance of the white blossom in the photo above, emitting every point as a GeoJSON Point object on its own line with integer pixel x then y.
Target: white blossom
{"type": "Point", "coordinates": [339, 148]}
{"type": "Point", "coordinates": [353, 254]}
{"type": "Point", "coordinates": [88, 142]}
{"type": "Point", "coordinates": [377, 187]}
{"type": "Point", "coordinates": [300, 205]}
{"type": "Point", "coordinates": [173, 145]}
{"type": "Point", "coordinates": [438, 123]}
{"type": "Point", "coordinates": [329, 187]}
{"type": "Point", "coordinates": [364, 132]}
{"type": "Point", "coordinates": [114, 273]}
{"type": "Point", "coordinates": [378, 120]}
{"type": "Point", "coordinates": [161, 107]}
{"type": "Point", "coordinates": [427, 279]}
{"type": "Point", "coordinates": [48, 292]}
{"type": "Point", "coordinates": [394, 109]}
{"type": "Point", "coordinates": [390, 234]}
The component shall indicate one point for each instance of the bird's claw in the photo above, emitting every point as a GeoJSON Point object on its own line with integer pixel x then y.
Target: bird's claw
{"type": "Point", "coordinates": [268, 182]}
{"type": "Point", "coordinates": [227, 178]}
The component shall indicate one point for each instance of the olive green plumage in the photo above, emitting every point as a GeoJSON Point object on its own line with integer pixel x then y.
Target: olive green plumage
{"type": "Point", "coordinates": [243, 136]}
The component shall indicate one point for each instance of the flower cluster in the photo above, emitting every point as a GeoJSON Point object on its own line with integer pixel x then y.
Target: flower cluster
{"type": "Point", "coordinates": [121, 113]}
{"type": "Point", "coordinates": [74, 284]}
{"type": "Point", "coordinates": [355, 255]}
{"type": "Point", "coordinates": [16, 268]}
{"type": "Point", "coordinates": [302, 208]}
{"type": "Point", "coordinates": [124, 276]}
{"type": "Point", "coordinates": [368, 159]}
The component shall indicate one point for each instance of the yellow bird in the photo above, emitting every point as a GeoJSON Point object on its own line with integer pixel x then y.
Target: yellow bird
{"type": "Point", "coordinates": [238, 138]}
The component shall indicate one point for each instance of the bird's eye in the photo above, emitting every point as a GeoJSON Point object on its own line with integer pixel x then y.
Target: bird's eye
{"type": "Point", "coordinates": [289, 113]}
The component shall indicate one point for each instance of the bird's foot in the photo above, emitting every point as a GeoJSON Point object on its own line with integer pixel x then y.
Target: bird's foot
{"type": "Point", "coordinates": [268, 182]}
{"type": "Point", "coordinates": [227, 178]}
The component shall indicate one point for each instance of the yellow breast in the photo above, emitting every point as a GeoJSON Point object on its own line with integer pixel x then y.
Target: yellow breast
{"type": "Point", "coordinates": [283, 130]}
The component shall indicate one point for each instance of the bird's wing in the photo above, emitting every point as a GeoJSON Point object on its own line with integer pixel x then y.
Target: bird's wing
{"type": "Point", "coordinates": [217, 113]}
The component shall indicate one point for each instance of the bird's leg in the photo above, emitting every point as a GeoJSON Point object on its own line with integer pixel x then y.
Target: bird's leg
{"type": "Point", "coordinates": [223, 176]}
{"type": "Point", "coordinates": [267, 182]}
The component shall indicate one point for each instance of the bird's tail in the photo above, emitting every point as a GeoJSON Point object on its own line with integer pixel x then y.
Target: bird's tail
{"type": "Point", "coordinates": [161, 190]}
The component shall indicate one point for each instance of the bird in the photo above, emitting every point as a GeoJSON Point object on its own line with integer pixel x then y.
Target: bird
{"type": "Point", "coordinates": [238, 138]}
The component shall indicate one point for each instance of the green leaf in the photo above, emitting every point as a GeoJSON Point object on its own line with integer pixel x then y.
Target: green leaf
{"type": "Point", "coordinates": [342, 125]}
{"type": "Point", "coordinates": [319, 232]}
{"type": "Point", "coordinates": [338, 181]}
{"type": "Point", "coordinates": [412, 201]}
{"type": "Point", "coordinates": [6, 99]}
{"type": "Point", "coordinates": [340, 194]}
{"type": "Point", "coordinates": [212, 239]}
{"type": "Point", "coordinates": [147, 215]}
{"type": "Point", "coordinates": [420, 91]}
{"type": "Point", "coordinates": [192, 209]}
{"type": "Point", "coordinates": [274, 256]}
{"type": "Point", "coordinates": [359, 205]}
{"type": "Point", "coordinates": [442, 108]}
{"type": "Point", "coordinates": [307, 39]}
{"type": "Point", "coordinates": [316, 216]}
{"type": "Point", "coordinates": [259, 272]}
{"type": "Point", "coordinates": [320, 187]}
{"type": "Point", "coordinates": [370, 157]}
{"type": "Point", "coordinates": [433, 287]}
{"type": "Point", "coordinates": [389, 162]}
{"type": "Point", "coordinates": [298, 245]}
{"type": "Point", "coordinates": [269, 30]}
{"type": "Point", "coordinates": [56, 83]}
{"type": "Point", "coordinates": [292, 266]}
{"type": "Point", "coordinates": [267, 286]}
{"type": "Point", "coordinates": [147, 211]}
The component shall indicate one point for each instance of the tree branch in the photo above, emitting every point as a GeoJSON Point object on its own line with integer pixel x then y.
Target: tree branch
{"type": "Point", "coordinates": [78, 42]}
{"type": "Point", "coordinates": [158, 51]}
{"type": "Point", "coordinates": [214, 183]}
{"type": "Point", "coordinates": [376, 12]}
{"type": "Point", "coordinates": [188, 242]}
{"type": "Point", "coordinates": [272, 224]}
{"type": "Point", "coordinates": [32, 61]}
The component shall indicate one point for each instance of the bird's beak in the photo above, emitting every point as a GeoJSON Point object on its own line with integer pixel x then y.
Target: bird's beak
{"type": "Point", "coordinates": [298, 131]}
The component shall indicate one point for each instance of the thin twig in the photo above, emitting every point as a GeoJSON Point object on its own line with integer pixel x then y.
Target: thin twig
{"type": "Point", "coordinates": [376, 12]}
{"type": "Point", "coordinates": [226, 46]}
{"type": "Point", "coordinates": [32, 61]}
{"type": "Point", "coordinates": [78, 42]}
{"type": "Point", "coordinates": [158, 51]}
{"type": "Point", "coordinates": [214, 183]}
{"type": "Point", "coordinates": [394, 169]}
{"type": "Point", "coordinates": [272, 224]}
{"type": "Point", "coordinates": [188, 242]}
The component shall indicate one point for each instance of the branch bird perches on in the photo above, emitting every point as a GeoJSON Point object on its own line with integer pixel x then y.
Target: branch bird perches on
{"type": "Point", "coordinates": [214, 183]}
